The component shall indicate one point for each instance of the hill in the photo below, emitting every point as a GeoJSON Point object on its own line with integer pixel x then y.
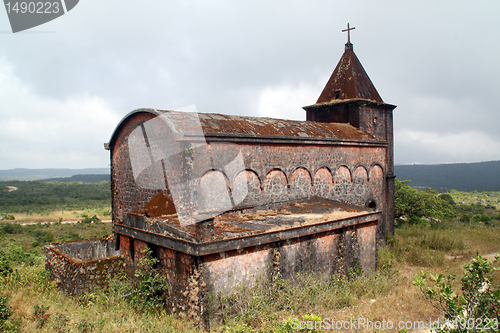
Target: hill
{"type": "Point", "coordinates": [482, 176]}
{"type": "Point", "coordinates": [36, 196]}
{"type": "Point", "coordinates": [80, 178]}
{"type": "Point", "coordinates": [36, 174]}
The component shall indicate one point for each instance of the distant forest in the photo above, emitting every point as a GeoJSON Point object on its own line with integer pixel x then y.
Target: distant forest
{"type": "Point", "coordinates": [34, 196]}
{"type": "Point", "coordinates": [483, 176]}
{"type": "Point", "coordinates": [80, 178]}
{"type": "Point", "coordinates": [37, 174]}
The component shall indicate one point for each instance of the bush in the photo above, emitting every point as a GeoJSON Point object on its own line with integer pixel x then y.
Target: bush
{"type": "Point", "coordinates": [42, 237]}
{"type": "Point", "coordinates": [465, 218]}
{"type": "Point", "coordinates": [93, 219]}
{"type": "Point", "coordinates": [8, 216]}
{"type": "Point", "coordinates": [478, 300]}
{"type": "Point", "coordinates": [448, 198]}
{"type": "Point", "coordinates": [5, 311]}
{"type": "Point", "coordinates": [5, 266]}
{"type": "Point", "coordinates": [474, 208]}
{"type": "Point", "coordinates": [11, 228]}
{"type": "Point", "coordinates": [414, 206]}
{"type": "Point", "coordinates": [151, 286]}
{"type": "Point", "coordinates": [16, 253]}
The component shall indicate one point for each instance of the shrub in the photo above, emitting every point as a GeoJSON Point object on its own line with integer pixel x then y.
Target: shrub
{"type": "Point", "coordinates": [8, 216]}
{"type": "Point", "coordinates": [473, 208]}
{"type": "Point", "coordinates": [5, 311]}
{"type": "Point", "coordinates": [12, 228]}
{"type": "Point", "coordinates": [16, 253]}
{"type": "Point", "coordinates": [479, 300]}
{"type": "Point", "coordinates": [448, 198]}
{"type": "Point", "coordinates": [5, 266]}
{"type": "Point", "coordinates": [93, 219]}
{"type": "Point", "coordinates": [151, 286]}
{"type": "Point", "coordinates": [414, 206]}
{"type": "Point", "coordinates": [465, 218]}
{"type": "Point", "coordinates": [43, 236]}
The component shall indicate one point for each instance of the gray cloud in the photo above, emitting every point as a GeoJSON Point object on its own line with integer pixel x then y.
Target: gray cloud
{"type": "Point", "coordinates": [438, 61]}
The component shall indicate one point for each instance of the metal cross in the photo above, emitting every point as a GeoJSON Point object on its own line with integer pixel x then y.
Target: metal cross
{"type": "Point", "coordinates": [348, 33]}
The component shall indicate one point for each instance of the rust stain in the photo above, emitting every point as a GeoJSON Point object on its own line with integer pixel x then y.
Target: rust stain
{"type": "Point", "coordinates": [213, 123]}
{"type": "Point", "coordinates": [349, 81]}
{"type": "Point", "coordinates": [159, 205]}
{"type": "Point", "coordinates": [254, 221]}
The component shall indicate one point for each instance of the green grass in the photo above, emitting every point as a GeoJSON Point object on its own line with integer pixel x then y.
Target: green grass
{"type": "Point", "coordinates": [34, 237]}
{"type": "Point", "coordinates": [265, 307]}
{"type": "Point", "coordinates": [35, 197]}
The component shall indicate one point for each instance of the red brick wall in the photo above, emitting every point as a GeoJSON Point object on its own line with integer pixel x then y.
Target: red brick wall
{"type": "Point", "coordinates": [349, 173]}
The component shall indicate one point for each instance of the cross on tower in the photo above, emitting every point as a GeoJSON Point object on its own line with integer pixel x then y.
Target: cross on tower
{"type": "Point", "coordinates": [348, 33]}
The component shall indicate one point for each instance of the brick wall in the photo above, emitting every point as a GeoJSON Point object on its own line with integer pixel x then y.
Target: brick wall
{"type": "Point", "coordinates": [100, 263]}
{"type": "Point", "coordinates": [198, 282]}
{"type": "Point", "coordinates": [351, 173]}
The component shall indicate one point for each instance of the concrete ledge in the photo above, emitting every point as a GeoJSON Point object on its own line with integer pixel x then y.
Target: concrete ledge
{"type": "Point", "coordinates": [207, 248]}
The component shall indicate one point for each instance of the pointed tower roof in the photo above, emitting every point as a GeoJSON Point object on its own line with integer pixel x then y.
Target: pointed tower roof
{"type": "Point", "coordinates": [349, 81]}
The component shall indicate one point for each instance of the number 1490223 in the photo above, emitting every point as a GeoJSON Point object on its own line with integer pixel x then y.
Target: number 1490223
{"type": "Point", "coordinates": [33, 7]}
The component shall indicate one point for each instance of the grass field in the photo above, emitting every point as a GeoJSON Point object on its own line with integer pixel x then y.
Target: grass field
{"type": "Point", "coordinates": [385, 295]}
{"type": "Point", "coordinates": [62, 216]}
{"type": "Point", "coordinates": [388, 294]}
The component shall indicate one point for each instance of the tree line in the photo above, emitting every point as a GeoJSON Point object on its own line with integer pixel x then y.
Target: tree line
{"type": "Point", "coordinates": [38, 195]}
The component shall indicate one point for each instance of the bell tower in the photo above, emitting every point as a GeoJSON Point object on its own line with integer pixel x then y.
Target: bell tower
{"type": "Point", "coordinates": [350, 97]}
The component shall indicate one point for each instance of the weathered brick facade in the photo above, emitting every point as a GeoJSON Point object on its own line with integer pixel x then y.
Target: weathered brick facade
{"type": "Point", "coordinates": [256, 196]}
{"type": "Point", "coordinates": [222, 200]}
{"type": "Point", "coordinates": [83, 266]}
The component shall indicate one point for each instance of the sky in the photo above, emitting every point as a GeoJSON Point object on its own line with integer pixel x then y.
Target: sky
{"type": "Point", "coordinates": [66, 84]}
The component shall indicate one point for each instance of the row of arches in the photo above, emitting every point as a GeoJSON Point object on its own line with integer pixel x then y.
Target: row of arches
{"type": "Point", "coordinates": [217, 192]}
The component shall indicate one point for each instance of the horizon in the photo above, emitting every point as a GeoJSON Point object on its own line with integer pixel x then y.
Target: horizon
{"type": "Point", "coordinates": [108, 168]}
{"type": "Point", "coordinates": [256, 59]}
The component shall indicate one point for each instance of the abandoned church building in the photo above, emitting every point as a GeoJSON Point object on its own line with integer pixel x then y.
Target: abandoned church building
{"type": "Point", "coordinates": [222, 200]}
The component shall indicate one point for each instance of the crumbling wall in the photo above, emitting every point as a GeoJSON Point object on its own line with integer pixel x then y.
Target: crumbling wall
{"type": "Point", "coordinates": [351, 174]}
{"type": "Point", "coordinates": [83, 266]}
{"type": "Point", "coordinates": [196, 283]}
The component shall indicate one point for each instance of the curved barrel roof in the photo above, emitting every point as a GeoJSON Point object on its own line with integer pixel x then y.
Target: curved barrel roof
{"type": "Point", "coordinates": [213, 125]}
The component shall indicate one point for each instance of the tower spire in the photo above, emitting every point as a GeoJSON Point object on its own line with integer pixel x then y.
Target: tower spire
{"type": "Point", "coordinates": [348, 45]}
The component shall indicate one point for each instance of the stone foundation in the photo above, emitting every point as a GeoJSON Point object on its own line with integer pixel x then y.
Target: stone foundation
{"type": "Point", "coordinates": [198, 270]}
{"type": "Point", "coordinates": [83, 266]}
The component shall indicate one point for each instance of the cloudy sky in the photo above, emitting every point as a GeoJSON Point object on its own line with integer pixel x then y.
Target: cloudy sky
{"type": "Point", "coordinates": [65, 85]}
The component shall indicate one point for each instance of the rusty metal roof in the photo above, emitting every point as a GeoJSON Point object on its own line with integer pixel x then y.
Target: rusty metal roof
{"type": "Point", "coordinates": [213, 123]}
{"type": "Point", "coordinates": [213, 126]}
{"type": "Point", "coordinates": [349, 81]}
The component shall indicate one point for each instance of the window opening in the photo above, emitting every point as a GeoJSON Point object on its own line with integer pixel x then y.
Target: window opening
{"type": "Point", "coordinates": [131, 249]}
{"type": "Point", "coordinates": [154, 253]}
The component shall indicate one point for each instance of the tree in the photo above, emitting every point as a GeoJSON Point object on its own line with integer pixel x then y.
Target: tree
{"type": "Point", "coordinates": [412, 205]}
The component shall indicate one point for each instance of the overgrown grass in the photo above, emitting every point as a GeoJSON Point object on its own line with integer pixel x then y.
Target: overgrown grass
{"type": "Point", "coordinates": [30, 289]}
{"type": "Point", "coordinates": [266, 306]}
{"type": "Point", "coordinates": [388, 294]}
{"type": "Point", "coordinates": [424, 246]}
